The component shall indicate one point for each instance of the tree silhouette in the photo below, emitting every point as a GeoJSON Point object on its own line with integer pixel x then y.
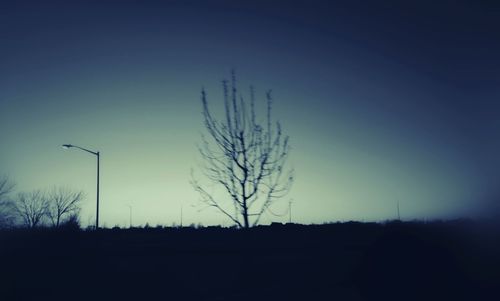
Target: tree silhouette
{"type": "Point", "coordinates": [62, 204]}
{"type": "Point", "coordinates": [32, 207]}
{"type": "Point", "coordinates": [243, 157]}
{"type": "Point", "coordinates": [6, 206]}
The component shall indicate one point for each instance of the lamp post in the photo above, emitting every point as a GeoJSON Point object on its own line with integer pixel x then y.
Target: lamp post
{"type": "Point", "coordinates": [67, 146]}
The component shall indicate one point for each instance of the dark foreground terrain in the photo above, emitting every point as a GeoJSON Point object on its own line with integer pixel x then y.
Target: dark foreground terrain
{"type": "Point", "coordinates": [349, 261]}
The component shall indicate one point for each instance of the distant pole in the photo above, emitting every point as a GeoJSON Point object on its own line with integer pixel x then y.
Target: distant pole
{"type": "Point", "coordinates": [399, 216]}
{"type": "Point", "coordinates": [181, 216]}
{"type": "Point", "coordinates": [130, 215]}
{"type": "Point", "coordinates": [290, 212]}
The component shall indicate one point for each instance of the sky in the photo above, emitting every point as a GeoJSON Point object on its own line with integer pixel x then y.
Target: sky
{"type": "Point", "coordinates": [384, 102]}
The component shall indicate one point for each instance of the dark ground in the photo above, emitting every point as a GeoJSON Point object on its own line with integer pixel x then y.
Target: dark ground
{"type": "Point", "coordinates": [350, 261]}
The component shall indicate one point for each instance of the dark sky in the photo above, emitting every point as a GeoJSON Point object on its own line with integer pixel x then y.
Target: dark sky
{"type": "Point", "coordinates": [384, 101]}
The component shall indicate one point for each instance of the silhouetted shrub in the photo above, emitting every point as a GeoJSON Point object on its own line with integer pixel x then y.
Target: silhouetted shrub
{"type": "Point", "coordinates": [72, 223]}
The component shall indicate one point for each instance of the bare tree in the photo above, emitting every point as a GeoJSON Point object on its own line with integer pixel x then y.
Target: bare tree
{"type": "Point", "coordinates": [243, 157]}
{"type": "Point", "coordinates": [32, 207]}
{"type": "Point", "coordinates": [7, 215]}
{"type": "Point", "coordinates": [63, 203]}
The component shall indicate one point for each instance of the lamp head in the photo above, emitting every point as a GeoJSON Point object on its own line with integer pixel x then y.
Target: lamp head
{"type": "Point", "coordinates": [66, 146]}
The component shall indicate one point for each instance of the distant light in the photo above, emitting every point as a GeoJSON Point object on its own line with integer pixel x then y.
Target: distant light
{"type": "Point", "coordinates": [66, 146]}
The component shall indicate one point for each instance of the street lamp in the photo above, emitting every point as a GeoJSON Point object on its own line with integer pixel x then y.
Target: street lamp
{"type": "Point", "coordinates": [67, 146]}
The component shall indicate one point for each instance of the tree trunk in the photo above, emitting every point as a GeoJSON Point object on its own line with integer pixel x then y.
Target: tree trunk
{"type": "Point", "coordinates": [245, 216]}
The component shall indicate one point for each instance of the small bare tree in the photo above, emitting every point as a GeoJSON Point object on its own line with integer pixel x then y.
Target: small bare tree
{"type": "Point", "coordinates": [62, 204]}
{"type": "Point", "coordinates": [7, 215]}
{"type": "Point", "coordinates": [243, 157]}
{"type": "Point", "coordinates": [32, 207]}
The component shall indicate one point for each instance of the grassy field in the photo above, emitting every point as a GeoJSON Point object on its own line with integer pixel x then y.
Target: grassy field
{"type": "Point", "coordinates": [345, 261]}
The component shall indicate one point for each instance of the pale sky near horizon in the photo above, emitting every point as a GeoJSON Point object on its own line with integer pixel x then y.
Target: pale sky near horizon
{"type": "Point", "coordinates": [383, 102]}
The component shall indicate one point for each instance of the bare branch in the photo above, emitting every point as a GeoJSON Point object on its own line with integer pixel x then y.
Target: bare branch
{"type": "Point", "coordinates": [6, 187]}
